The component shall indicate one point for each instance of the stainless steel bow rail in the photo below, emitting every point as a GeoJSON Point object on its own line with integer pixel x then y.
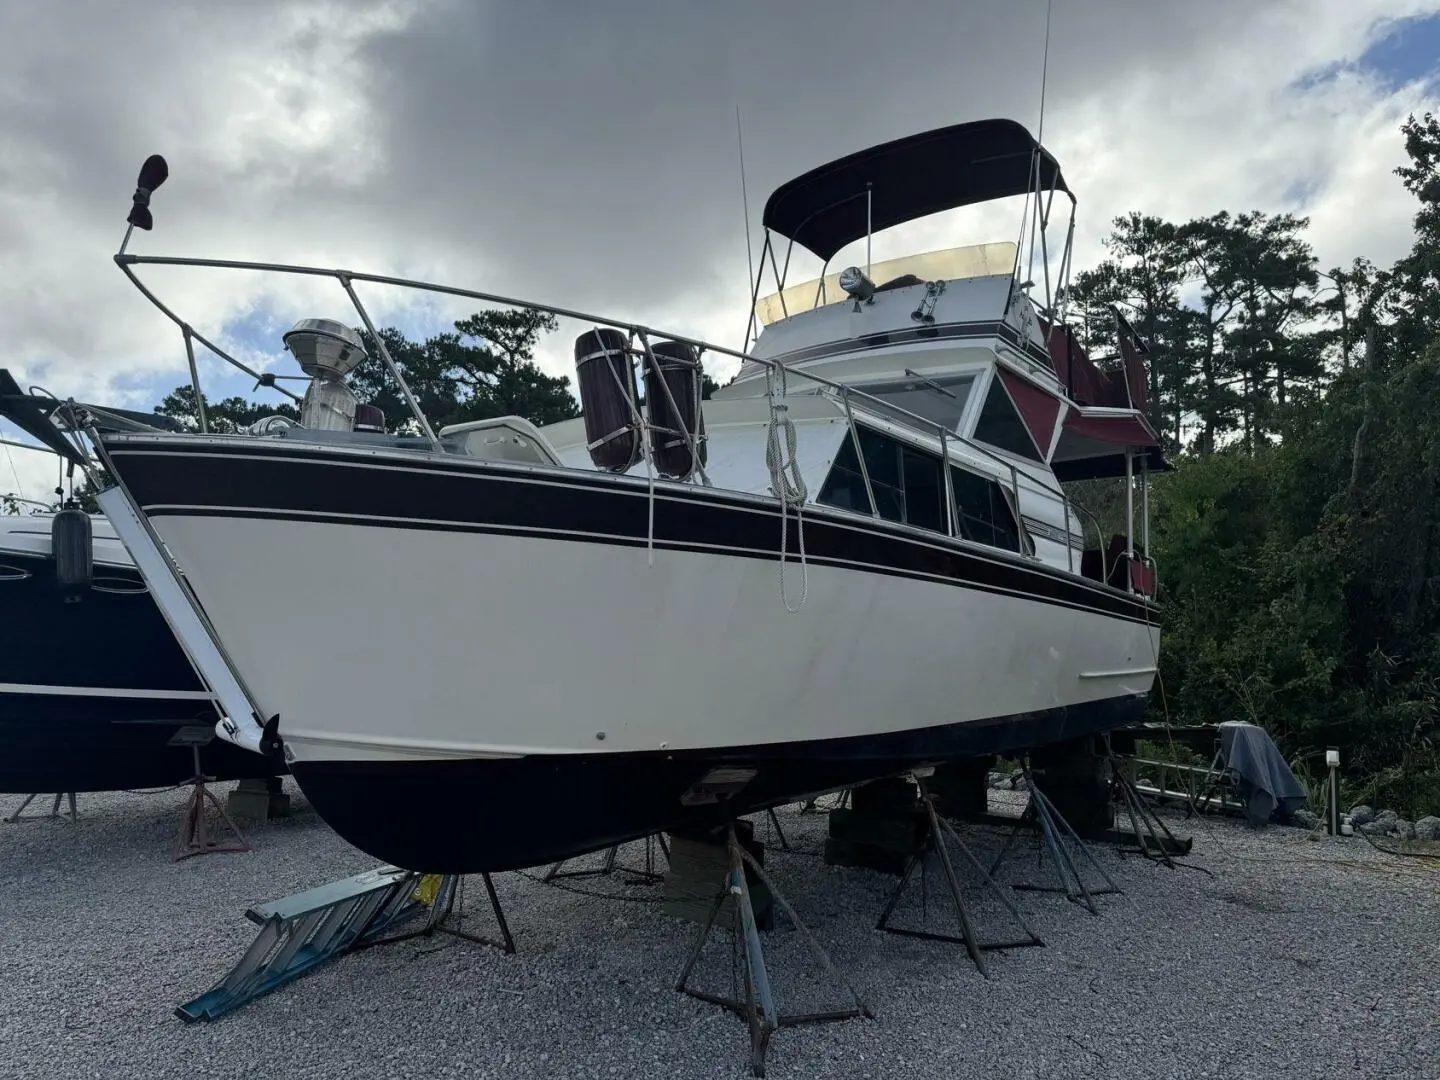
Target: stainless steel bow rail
{"type": "Point", "coordinates": [301, 932]}
{"type": "Point", "coordinates": [155, 171]}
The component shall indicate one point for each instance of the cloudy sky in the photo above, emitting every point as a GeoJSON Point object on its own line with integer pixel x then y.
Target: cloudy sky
{"type": "Point", "coordinates": [584, 154]}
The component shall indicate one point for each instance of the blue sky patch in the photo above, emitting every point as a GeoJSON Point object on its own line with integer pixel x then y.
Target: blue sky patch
{"type": "Point", "coordinates": [1409, 49]}
{"type": "Point", "coordinates": [254, 339]}
{"type": "Point", "coordinates": [1404, 50]}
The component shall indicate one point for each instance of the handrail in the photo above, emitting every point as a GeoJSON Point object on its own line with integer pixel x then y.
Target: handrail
{"type": "Point", "coordinates": [639, 329]}
{"type": "Point", "coordinates": [846, 392]}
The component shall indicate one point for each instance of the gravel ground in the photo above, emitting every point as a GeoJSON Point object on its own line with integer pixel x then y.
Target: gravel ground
{"type": "Point", "coordinates": [1269, 954]}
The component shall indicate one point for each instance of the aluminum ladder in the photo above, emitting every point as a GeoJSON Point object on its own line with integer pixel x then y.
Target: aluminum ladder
{"type": "Point", "coordinates": [303, 931]}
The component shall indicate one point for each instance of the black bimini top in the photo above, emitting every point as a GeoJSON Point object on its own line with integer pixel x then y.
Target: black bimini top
{"type": "Point", "coordinates": [824, 209]}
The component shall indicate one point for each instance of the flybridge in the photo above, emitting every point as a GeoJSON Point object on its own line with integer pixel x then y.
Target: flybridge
{"type": "Point", "coordinates": [926, 329]}
{"type": "Point", "coordinates": [906, 179]}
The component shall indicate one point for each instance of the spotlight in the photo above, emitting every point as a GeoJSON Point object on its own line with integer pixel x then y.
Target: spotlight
{"type": "Point", "coordinates": [857, 286]}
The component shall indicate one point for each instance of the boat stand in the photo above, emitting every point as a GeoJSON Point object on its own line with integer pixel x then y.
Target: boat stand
{"type": "Point", "coordinates": [440, 893]}
{"type": "Point", "coordinates": [775, 823]}
{"type": "Point", "coordinates": [934, 842]}
{"type": "Point", "coordinates": [194, 838]}
{"type": "Point", "coordinates": [647, 876]}
{"type": "Point", "coordinates": [303, 931]}
{"type": "Point", "coordinates": [1143, 818]}
{"type": "Point", "coordinates": [757, 1007]}
{"type": "Point", "coordinates": [1040, 814]}
{"type": "Point", "coordinates": [54, 808]}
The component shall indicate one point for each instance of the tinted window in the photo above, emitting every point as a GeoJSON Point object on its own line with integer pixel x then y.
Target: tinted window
{"type": "Point", "coordinates": [906, 481]}
{"type": "Point", "coordinates": [1000, 424]}
{"type": "Point", "coordinates": [985, 514]}
{"type": "Point", "coordinates": [941, 400]}
{"type": "Point", "coordinates": [924, 495]}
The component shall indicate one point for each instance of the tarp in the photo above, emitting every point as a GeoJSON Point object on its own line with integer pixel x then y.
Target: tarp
{"type": "Point", "coordinates": [1264, 779]}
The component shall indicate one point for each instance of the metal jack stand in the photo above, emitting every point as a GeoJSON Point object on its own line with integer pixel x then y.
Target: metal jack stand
{"type": "Point", "coordinates": [440, 893]}
{"type": "Point", "coordinates": [194, 838]}
{"type": "Point", "coordinates": [934, 841]}
{"type": "Point", "coordinates": [647, 876]}
{"type": "Point", "coordinates": [775, 822]}
{"type": "Point", "coordinates": [758, 1006]}
{"type": "Point", "coordinates": [1041, 813]}
{"type": "Point", "coordinates": [54, 809]}
{"type": "Point", "coordinates": [1143, 818]}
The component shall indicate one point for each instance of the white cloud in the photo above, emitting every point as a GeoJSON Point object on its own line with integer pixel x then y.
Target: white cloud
{"type": "Point", "coordinates": [599, 172]}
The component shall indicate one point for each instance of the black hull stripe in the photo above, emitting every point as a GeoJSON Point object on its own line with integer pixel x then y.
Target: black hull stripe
{"type": "Point", "coordinates": [791, 556]}
{"type": "Point", "coordinates": [269, 480]}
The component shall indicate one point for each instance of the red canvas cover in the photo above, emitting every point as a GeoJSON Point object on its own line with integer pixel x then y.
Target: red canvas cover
{"type": "Point", "coordinates": [1119, 431]}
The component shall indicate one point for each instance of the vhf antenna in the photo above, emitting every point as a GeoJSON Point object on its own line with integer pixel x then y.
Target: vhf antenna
{"type": "Point", "coordinates": [745, 205]}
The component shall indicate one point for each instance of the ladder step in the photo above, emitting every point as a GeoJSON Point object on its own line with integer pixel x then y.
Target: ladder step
{"type": "Point", "coordinates": [303, 931]}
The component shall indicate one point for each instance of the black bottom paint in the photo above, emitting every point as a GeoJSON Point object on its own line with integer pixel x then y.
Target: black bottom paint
{"type": "Point", "coordinates": [486, 815]}
{"type": "Point", "coordinates": [59, 742]}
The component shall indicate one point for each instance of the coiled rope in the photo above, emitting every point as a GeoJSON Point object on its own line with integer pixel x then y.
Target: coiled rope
{"type": "Point", "coordinates": [786, 483]}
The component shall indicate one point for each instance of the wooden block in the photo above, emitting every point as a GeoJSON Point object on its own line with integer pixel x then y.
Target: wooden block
{"type": "Point", "coordinates": [961, 788]}
{"type": "Point", "coordinates": [864, 856]}
{"type": "Point", "coordinates": [898, 833]}
{"type": "Point", "coordinates": [891, 797]}
{"type": "Point", "coordinates": [698, 872]}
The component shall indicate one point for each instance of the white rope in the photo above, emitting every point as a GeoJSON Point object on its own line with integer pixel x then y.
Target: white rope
{"type": "Point", "coordinates": [789, 487]}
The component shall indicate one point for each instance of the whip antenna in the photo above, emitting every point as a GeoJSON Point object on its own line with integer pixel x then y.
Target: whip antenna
{"type": "Point", "coordinates": [745, 206]}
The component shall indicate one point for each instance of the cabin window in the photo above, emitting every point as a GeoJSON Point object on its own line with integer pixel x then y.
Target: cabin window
{"type": "Point", "coordinates": [984, 511]}
{"type": "Point", "coordinates": [941, 400]}
{"type": "Point", "coordinates": [906, 481]}
{"type": "Point", "coordinates": [1000, 424]}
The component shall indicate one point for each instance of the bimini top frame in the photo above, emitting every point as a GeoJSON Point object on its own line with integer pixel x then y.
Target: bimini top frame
{"type": "Point", "coordinates": [877, 188]}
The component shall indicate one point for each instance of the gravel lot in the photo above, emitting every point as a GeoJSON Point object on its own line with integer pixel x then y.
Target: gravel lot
{"type": "Point", "coordinates": [1269, 955]}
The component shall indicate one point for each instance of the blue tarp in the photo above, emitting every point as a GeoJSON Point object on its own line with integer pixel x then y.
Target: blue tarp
{"type": "Point", "coordinates": [1263, 777]}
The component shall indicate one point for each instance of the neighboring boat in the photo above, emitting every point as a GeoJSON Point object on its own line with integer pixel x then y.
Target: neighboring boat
{"type": "Point", "coordinates": [93, 685]}
{"type": "Point", "coordinates": [495, 645]}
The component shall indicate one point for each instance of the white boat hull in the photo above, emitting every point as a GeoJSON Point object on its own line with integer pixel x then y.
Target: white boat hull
{"type": "Point", "coordinates": [579, 643]}
{"type": "Point", "coordinates": [546, 646]}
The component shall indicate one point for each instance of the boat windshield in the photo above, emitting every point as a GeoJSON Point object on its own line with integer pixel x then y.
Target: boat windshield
{"type": "Point", "coordinates": [973, 260]}
{"type": "Point", "coordinates": [941, 400]}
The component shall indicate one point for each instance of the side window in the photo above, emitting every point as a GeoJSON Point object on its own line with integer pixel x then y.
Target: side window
{"type": "Point", "coordinates": [1000, 423]}
{"type": "Point", "coordinates": [924, 493]}
{"type": "Point", "coordinates": [906, 481]}
{"type": "Point", "coordinates": [985, 514]}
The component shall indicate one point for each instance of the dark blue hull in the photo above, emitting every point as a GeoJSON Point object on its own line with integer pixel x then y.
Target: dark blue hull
{"type": "Point", "coordinates": [91, 692]}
